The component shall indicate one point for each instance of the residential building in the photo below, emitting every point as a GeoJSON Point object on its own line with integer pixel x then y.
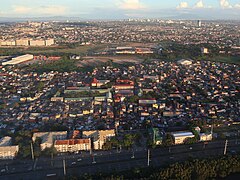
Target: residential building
{"type": "Point", "coordinates": [6, 150]}
{"type": "Point", "coordinates": [73, 145]}
{"type": "Point", "coordinates": [98, 137]}
{"type": "Point", "coordinates": [205, 137]}
{"type": "Point", "coordinates": [22, 42]}
{"type": "Point", "coordinates": [37, 42]}
{"type": "Point", "coordinates": [48, 138]}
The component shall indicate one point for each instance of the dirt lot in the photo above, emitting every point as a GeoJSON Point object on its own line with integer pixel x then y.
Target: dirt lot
{"type": "Point", "coordinates": [96, 60]}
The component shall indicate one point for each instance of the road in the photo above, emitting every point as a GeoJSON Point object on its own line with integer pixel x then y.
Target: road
{"type": "Point", "coordinates": [106, 162]}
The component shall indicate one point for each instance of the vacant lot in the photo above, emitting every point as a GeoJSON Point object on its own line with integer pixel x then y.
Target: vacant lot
{"type": "Point", "coordinates": [96, 60]}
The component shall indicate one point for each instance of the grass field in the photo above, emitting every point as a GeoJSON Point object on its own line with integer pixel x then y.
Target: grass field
{"type": "Point", "coordinates": [59, 50]}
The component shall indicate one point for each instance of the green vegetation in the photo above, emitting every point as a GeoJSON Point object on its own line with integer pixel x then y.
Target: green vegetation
{"type": "Point", "coordinates": [74, 94]}
{"type": "Point", "coordinates": [168, 141]}
{"type": "Point", "coordinates": [213, 168]}
{"type": "Point", "coordinates": [53, 51]}
{"type": "Point", "coordinates": [126, 142]}
{"type": "Point", "coordinates": [64, 65]}
{"type": "Point", "coordinates": [23, 139]}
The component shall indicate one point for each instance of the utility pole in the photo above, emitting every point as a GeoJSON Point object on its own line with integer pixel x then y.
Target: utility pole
{"type": "Point", "coordinates": [133, 156]}
{"type": "Point", "coordinates": [51, 159]}
{"type": "Point", "coordinates": [212, 129]}
{"type": "Point", "coordinates": [225, 147]}
{"type": "Point", "coordinates": [93, 159]}
{"type": "Point", "coordinates": [64, 167]}
{"type": "Point", "coordinates": [148, 161]}
{"type": "Point", "coordinates": [90, 151]}
{"type": "Point", "coordinates": [32, 151]}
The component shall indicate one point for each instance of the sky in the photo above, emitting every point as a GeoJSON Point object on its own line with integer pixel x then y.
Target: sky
{"type": "Point", "coordinates": [122, 9]}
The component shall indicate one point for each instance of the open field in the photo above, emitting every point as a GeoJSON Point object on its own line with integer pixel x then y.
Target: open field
{"type": "Point", "coordinates": [96, 60]}
{"type": "Point", "coordinates": [56, 50]}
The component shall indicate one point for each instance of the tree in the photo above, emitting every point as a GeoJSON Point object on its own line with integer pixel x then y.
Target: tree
{"type": "Point", "coordinates": [168, 141]}
{"type": "Point", "coordinates": [49, 151]}
{"type": "Point", "coordinates": [190, 140]}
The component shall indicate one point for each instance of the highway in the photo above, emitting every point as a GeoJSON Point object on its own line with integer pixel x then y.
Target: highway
{"type": "Point", "coordinates": [113, 161]}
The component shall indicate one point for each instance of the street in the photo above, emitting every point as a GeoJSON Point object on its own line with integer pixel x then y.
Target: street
{"type": "Point", "coordinates": [105, 162]}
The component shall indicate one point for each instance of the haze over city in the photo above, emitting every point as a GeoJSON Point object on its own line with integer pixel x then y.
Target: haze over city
{"type": "Point", "coordinates": [122, 9]}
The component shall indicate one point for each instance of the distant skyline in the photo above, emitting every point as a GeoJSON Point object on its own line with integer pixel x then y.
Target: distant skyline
{"type": "Point", "coordinates": [122, 9]}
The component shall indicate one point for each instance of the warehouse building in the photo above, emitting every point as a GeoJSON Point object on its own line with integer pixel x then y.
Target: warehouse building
{"type": "Point", "coordinates": [19, 59]}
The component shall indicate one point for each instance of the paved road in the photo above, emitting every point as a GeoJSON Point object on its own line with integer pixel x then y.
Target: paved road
{"type": "Point", "coordinates": [80, 164]}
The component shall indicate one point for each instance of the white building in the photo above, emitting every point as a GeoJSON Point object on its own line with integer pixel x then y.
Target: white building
{"type": "Point", "coordinates": [37, 42]}
{"type": "Point", "coordinates": [205, 137]}
{"type": "Point", "coordinates": [73, 145]}
{"type": "Point", "coordinates": [6, 150]}
{"type": "Point", "coordinates": [185, 62]}
{"type": "Point", "coordinates": [181, 136]}
{"type": "Point", "coordinates": [48, 138]}
{"type": "Point", "coordinates": [8, 43]}
{"type": "Point", "coordinates": [204, 50]}
{"type": "Point", "coordinates": [49, 42]}
{"type": "Point", "coordinates": [22, 42]}
{"type": "Point", "coordinates": [19, 59]}
{"type": "Point", "coordinates": [99, 137]}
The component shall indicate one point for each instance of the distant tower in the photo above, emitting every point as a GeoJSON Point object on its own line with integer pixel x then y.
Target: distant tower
{"type": "Point", "coordinates": [199, 23]}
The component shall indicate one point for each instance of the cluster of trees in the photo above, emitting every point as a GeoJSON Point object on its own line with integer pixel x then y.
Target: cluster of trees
{"type": "Point", "coordinates": [83, 94]}
{"type": "Point", "coordinates": [201, 169]}
{"type": "Point", "coordinates": [126, 142]}
{"type": "Point", "coordinates": [23, 139]}
{"type": "Point", "coordinates": [220, 167]}
{"type": "Point", "coordinates": [63, 65]}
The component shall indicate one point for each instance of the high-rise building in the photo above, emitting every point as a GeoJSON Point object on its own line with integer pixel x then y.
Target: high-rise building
{"type": "Point", "coordinates": [37, 42]}
{"type": "Point", "coordinates": [22, 42]}
{"type": "Point", "coordinates": [199, 23]}
{"type": "Point", "coordinates": [49, 42]}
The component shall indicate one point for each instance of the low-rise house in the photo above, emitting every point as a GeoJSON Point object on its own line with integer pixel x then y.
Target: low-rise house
{"type": "Point", "coordinates": [205, 137]}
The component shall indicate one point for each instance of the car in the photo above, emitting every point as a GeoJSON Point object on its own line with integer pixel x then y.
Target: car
{"type": "Point", "coordinates": [73, 163]}
{"type": "Point", "coordinates": [39, 167]}
{"type": "Point", "coordinates": [79, 159]}
{"type": "Point", "coordinates": [51, 175]}
{"type": "Point", "coordinates": [3, 170]}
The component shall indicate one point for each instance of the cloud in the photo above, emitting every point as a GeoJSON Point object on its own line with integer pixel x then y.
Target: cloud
{"type": "Point", "coordinates": [21, 9]}
{"type": "Point", "coordinates": [42, 10]}
{"type": "Point", "coordinates": [225, 4]}
{"type": "Point", "coordinates": [130, 4]}
{"type": "Point", "coordinates": [237, 5]}
{"type": "Point", "coordinates": [52, 10]}
{"type": "Point", "coordinates": [199, 4]}
{"type": "Point", "coordinates": [182, 5]}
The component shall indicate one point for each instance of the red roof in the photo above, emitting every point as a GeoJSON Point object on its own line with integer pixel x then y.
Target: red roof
{"type": "Point", "coordinates": [95, 80]}
{"type": "Point", "coordinates": [72, 141]}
